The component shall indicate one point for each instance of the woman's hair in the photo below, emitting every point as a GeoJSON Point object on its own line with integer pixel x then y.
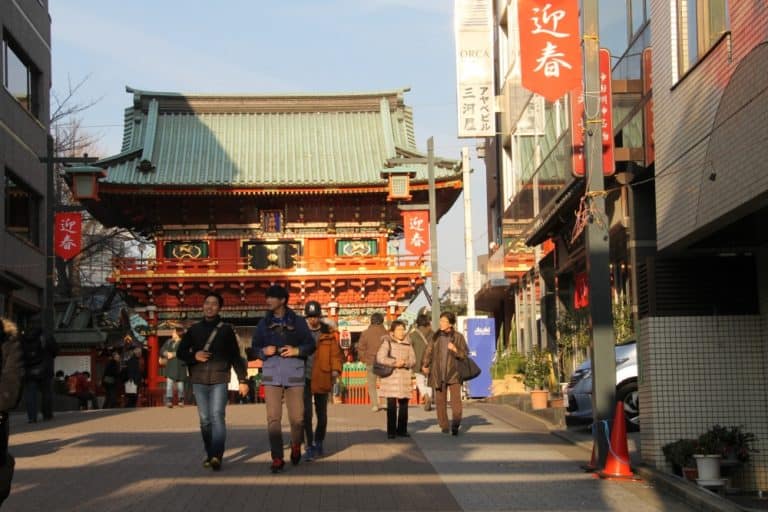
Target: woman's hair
{"type": "Point", "coordinates": [394, 325]}
{"type": "Point", "coordinates": [451, 317]}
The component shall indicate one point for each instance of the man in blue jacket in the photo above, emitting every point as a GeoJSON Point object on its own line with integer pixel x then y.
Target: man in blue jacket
{"type": "Point", "coordinates": [282, 341]}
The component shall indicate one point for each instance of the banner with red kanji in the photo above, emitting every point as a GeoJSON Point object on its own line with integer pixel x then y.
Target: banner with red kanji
{"type": "Point", "coordinates": [550, 49]}
{"type": "Point", "coordinates": [581, 290]}
{"type": "Point", "coordinates": [606, 111]}
{"type": "Point", "coordinates": [67, 234]}
{"type": "Point", "coordinates": [416, 229]}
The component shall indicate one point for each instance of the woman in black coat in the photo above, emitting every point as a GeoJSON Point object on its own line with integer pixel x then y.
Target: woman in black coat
{"type": "Point", "coordinates": [111, 380]}
{"type": "Point", "coordinates": [11, 374]}
{"type": "Point", "coordinates": [132, 378]}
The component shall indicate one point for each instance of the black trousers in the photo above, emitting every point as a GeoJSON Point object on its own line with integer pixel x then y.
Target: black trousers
{"type": "Point", "coordinates": [321, 412]}
{"type": "Point", "coordinates": [397, 416]}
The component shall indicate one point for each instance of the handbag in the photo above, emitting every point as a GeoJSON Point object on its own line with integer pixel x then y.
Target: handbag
{"type": "Point", "coordinates": [467, 368]}
{"type": "Point", "coordinates": [130, 387]}
{"type": "Point", "coordinates": [383, 370]}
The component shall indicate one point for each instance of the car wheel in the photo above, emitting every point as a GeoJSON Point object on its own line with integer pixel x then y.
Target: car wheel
{"type": "Point", "coordinates": [627, 394]}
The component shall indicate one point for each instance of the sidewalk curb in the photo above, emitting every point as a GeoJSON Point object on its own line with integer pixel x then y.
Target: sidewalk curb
{"type": "Point", "coordinates": [698, 498]}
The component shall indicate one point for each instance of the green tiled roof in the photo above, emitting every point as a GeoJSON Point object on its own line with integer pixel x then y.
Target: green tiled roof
{"type": "Point", "coordinates": [289, 140]}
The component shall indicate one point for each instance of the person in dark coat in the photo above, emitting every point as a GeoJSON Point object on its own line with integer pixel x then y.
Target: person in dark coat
{"type": "Point", "coordinates": [175, 370]}
{"type": "Point", "coordinates": [132, 377]}
{"type": "Point", "coordinates": [39, 350]}
{"type": "Point", "coordinates": [439, 363]}
{"type": "Point", "coordinates": [210, 364]}
{"type": "Point", "coordinates": [11, 377]}
{"type": "Point", "coordinates": [110, 381]}
{"type": "Point", "coordinates": [367, 348]}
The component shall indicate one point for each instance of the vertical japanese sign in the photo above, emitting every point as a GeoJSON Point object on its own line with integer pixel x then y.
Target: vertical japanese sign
{"type": "Point", "coordinates": [67, 234]}
{"type": "Point", "coordinates": [550, 51]}
{"type": "Point", "coordinates": [606, 111]}
{"type": "Point", "coordinates": [416, 229]}
{"type": "Point", "coordinates": [474, 67]}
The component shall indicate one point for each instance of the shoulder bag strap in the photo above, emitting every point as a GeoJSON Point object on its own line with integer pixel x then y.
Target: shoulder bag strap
{"type": "Point", "coordinates": [208, 342]}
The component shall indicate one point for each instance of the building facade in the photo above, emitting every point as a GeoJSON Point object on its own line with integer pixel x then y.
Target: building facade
{"type": "Point", "coordinates": [703, 339]}
{"type": "Point", "coordinates": [24, 122]}
{"type": "Point", "coordinates": [236, 193]}
{"type": "Point", "coordinates": [685, 210]}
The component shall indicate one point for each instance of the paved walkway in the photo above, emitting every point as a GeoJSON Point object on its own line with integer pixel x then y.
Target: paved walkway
{"type": "Point", "coordinates": [150, 459]}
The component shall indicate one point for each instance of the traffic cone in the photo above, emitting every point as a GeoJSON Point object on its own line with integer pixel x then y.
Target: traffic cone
{"type": "Point", "coordinates": [617, 461]}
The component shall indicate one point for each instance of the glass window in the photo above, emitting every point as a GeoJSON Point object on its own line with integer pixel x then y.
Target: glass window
{"type": "Point", "coordinates": [18, 77]}
{"type": "Point", "coordinates": [700, 24]}
{"type": "Point", "coordinates": [22, 209]}
{"type": "Point", "coordinates": [638, 13]}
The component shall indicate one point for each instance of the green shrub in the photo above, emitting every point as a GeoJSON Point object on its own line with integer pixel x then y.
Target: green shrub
{"type": "Point", "coordinates": [509, 363]}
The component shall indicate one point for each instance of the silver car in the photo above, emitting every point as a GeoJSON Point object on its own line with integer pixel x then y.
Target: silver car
{"type": "Point", "coordinates": [579, 388]}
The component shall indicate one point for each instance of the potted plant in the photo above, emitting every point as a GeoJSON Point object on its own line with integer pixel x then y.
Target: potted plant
{"type": "Point", "coordinates": [537, 371]}
{"type": "Point", "coordinates": [709, 450]}
{"type": "Point", "coordinates": [737, 444]}
{"type": "Point", "coordinates": [680, 454]}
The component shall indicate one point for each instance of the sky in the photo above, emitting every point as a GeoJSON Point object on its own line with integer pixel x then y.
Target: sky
{"type": "Point", "coordinates": [272, 46]}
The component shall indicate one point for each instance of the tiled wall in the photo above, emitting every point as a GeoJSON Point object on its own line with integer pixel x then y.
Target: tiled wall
{"type": "Point", "coordinates": [699, 371]}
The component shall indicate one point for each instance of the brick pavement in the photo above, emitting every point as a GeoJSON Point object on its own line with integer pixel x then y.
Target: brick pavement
{"type": "Point", "coordinates": [150, 459]}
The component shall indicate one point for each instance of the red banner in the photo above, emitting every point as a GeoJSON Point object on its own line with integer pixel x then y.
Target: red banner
{"type": "Point", "coordinates": [550, 49]}
{"type": "Point", "coordinates": [416, 228]}
{"type": "Point", "coordinates": [606, 109]}
{"type": "Point", "coordinates": [67, 234]}
{"type": "Point", "coordinates": [581, 290]}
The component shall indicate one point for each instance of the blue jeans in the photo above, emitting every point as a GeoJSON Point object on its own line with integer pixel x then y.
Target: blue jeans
{"type": "Point", "coordinates": [169, 390]}
{"type": "Point", "coordinates": [211, 403]}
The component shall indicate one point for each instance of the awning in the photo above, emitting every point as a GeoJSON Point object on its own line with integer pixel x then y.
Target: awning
{"type": "Point", "coordinates": [550, 219]}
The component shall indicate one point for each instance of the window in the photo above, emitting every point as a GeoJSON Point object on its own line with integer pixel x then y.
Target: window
{"type": "Point", "coordinates": [22, 209]}
{"type": "Point", "coordinates": [700, 24]}
{"type": "Point", "coordinates": [638, 12]}
{"type": "Point", "coordinates": [19, 77]}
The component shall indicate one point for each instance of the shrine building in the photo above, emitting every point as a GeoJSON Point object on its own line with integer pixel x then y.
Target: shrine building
{"type": "Point", "coordinates": [239, 192]}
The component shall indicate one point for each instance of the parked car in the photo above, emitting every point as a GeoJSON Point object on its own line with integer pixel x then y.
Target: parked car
{"type": "Point", "coordinates": [579, 388]}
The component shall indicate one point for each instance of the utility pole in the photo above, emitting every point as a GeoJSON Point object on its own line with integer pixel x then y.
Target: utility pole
{"type": "Point", "coordinates": [469, 269]}
{"type": "Point", "coordinates": [602, 348]}
{"type": "Point", "coordinates": [51, 206]}
{"type": "Point", "coordinates": [433, 233]}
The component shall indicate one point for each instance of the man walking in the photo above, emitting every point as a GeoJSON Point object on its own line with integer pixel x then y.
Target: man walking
{"type": "Point", "coordinates": [39, 352]}
{"type": "Point", "coordinates": [370, 341]}
{"type": "Point", "coordinates": [210, 350]}
{"type": "Point", "coordinates": [420, 337]}
{"type": "Point", "coordinates": [283, 341]}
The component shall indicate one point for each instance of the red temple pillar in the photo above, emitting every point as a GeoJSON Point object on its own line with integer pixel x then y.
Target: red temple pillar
{"type": "Point", "coordinates": [153, 344]}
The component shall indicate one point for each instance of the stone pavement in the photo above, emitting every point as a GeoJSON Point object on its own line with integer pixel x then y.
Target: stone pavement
{"type": "Point", "coordinates": [150, 459]}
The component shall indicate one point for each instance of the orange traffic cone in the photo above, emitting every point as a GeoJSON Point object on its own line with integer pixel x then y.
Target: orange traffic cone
{"type": "Point", "coordinates": [617, 461]}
